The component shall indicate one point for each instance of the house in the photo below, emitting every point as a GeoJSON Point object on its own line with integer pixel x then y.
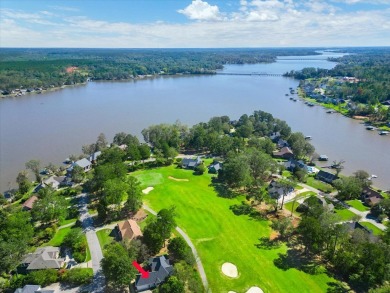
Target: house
{"type": "Point", "coordinates": [159, 270]}
{"type": "Point", "coordinates": [276, 190]}
{"type": "Point", "coordinates": [370, 196]}
{"type": "Point", "coordinates": [356, 225]}
{"type": "Point", "coordinates": [292, 164]}
{"type": "Point", "coordinates": [386, 103]}
{"type": "Point", "coordinates": [92, 158]}
{"type": "Point", "coordinates": [28, 204]}
{"type": "Point", "coordinates": [190, 163]}
{"type": "Point", "coordinates": [129, 229]}
{"type": "Point", "coordinates": [281, 143]}
{"type": "Point", "coordinates": [274, 136]}
{"type": "Point", "coordinates": [284, 153]}
{"type": "Point", "coordinates": [32, 289]}
{"type": "Point", "coordinates": [85, 164]}
{"type": "Point", "coordinates": [326, 177]}
{"type": "Point", "coordinates": [54, 181]}
{"type": "Point", "coordinates": [9, 195]}
{"type": "Point", "coordinates": [215, 167]}
{"type": "Point", "coordinates": [43, 258]}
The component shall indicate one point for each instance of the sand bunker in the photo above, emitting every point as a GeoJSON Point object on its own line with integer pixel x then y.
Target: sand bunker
{"type": "Point", "coordinates": [254, 290]}
{"type": "Point", "coordinates": [230, 270]}
{"type": "Point", "coordinates": [147, 190]}
{"type": "Point", "coordinates": [177, 179]}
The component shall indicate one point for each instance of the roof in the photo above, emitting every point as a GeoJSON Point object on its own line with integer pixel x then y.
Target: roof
{"type": "Point", "coordinates": [28, 289]}
{"type": "Point", "coordinates": [284, 151]}
{"type": "Point", "coordinates": [94, 156]}
{"type": "Point", "coordinates": [83, 163]}
{"type": "Point", "coordinates": [53, 181]}
{"type": "Point", "coordinates": [129, 229]}
{"type": "Point", "coordinates": [28, 204]}
{"type": "Point", "coordinates": [371, 195]}
{"type": "Point", "coordinates": [44, 258]}
{"type": "Point", "coordinates": [191, 162]}
{"type": "Point", "coordinates": [160, 270]}
{"type": "Point", "coordinates": [216, 166]}
{"type": "Point", "coordinates": [326, 176]}
{"type": "Point", "coordinates": [356, 225]}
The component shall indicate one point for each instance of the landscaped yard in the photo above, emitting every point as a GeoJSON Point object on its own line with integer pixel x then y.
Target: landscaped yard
{"type": "Point", "coordinates": [325, 187]}
{"type": "Point", "coordinates": [220, 236]}
{"type": "Point", "coordinates": [375, 230]}
{"type": "Point", "coordinates": [58, 237]}
{"type": "Point", "coordinates": [105, 237]}
{"type": "Point", "coordinates": [357, 204]}
{"type": "Point", "coordinates": [345, 215]}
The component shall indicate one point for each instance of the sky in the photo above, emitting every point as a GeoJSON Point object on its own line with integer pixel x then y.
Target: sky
{"type": "Point", "coordinates": [194, 23]}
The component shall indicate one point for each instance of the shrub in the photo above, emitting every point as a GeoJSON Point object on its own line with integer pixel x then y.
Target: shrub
{"type": "Point", "coordinates": [199, 170]}
{"type": "Point", "coordinates": [42, 277]}
{"type": "Point", "coordinates": [241, 209]}
{"type": "Point", "coordinates": [78, 276]}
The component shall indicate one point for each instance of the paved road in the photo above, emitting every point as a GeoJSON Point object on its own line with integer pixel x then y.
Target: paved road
{"type": "Point", "coordinates": [93, 243]}
{"type": "Point", "coordinates": [194, 252]}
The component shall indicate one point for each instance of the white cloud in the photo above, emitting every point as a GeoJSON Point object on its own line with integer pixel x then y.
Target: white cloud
{"type": "Point", "coordinates": [201, 10]}
{"type": "Point", "coordinates": [264, 23]}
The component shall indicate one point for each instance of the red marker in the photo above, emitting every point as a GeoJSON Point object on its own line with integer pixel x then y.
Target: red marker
{"type": "Point", "coordinates": [144, 274]}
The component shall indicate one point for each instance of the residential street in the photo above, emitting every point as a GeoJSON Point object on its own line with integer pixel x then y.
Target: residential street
{"type": "Point", "coordinates": [93, 243]}
{"type": "Point", "coordinates": [194, 252]}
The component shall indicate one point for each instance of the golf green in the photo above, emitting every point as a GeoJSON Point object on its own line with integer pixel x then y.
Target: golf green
{"type": "Point", "coordinates": [220, 236]}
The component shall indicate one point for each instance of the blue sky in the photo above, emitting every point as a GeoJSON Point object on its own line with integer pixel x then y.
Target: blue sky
{"type": "Point", "coordinates": [194, 23]}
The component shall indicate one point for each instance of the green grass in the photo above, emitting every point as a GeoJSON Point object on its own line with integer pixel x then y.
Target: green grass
{"type": "Point", "coordinates": [87, 252]}
{"type": "Point", "coordinates": [220, 236]}
{"type": "Point", "coordinates": [375, 230]}
{"type": "Point", "coordinates": [68, 221]}
{"type": "Point", "coordinates": [58, 237]}
{"type": "Point", "coordinates": [345, 214]}
{"type": "Point", "coordinates": [325, 187]}
{"type": "Point", "coordinates": [357, 204]}
{"type": "Point", "coordinates": [289, 206]}
{"type": "Point", "coordinates": [104, 237]}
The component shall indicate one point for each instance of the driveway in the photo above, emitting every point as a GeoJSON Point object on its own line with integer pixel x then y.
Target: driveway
{"type": "Point", "coordinates": [93, 243]}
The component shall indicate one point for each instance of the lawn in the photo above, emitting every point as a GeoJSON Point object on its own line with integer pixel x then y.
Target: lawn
{"type": "Point", "coordinates": [357, 204]}
{"type": "Point", "coordinates": [58, 237]}
{"type": "Point", "coordinates": [325, 187]}
{"type": "Point", "coordinates": [345, 215]}
{"type": "Point", "coordinates": [220, 236]}
{"type": "Point", "coordinates": [87, 252]}
{"type": "Point", "coordinates": [104, 237]}
{"type": "Point", "coordinates": [375, 230]}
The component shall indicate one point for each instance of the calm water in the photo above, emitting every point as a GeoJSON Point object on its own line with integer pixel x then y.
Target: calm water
{"type": "Point", "coordinates": [51, 126]}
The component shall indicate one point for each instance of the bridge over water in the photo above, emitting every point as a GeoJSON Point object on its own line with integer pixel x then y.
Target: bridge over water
{"type": "Point", "coordinates": [250, 74]}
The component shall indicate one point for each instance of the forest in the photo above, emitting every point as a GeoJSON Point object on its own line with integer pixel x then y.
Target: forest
{"type": "Point", "coordinates": [47, 68]}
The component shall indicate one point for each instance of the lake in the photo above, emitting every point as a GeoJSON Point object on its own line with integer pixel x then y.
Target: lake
{"type": "Point", "coordinates": [51, 126]}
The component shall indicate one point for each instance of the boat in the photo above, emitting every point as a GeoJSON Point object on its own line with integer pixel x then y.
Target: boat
{"type": "Point", "coordinates": [374, 176]}
{"type": "Point", "coordinates": [384, 132]}
{"type": "Point", "coordinates": [294, 100]}
{"type": "Point", "coordinates": [286, 95]}
{"type": "Point", "coordinates": [329, 112]}
{"type": "Point", "coordinates": [308, 137]}
{"type": "Point", "coordinates": [323, 158]}
{"type": "Point", "coordinates": [310, 105]}
{"type": "Point", "coordinates": [291, 98]}
{"type": "Point", "coordinates": [370, 127]}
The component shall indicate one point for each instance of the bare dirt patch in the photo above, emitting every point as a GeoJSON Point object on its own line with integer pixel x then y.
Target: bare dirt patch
{"type": "Point", "coordinates": [254, 290]}
{"type": "Point", "coordinates": [177, 179]}
{"type": "Point", "coordinates": [71, 69]}
{"type": "Point", "coordinates": [147, 190]}
{"type": "Point", "coordinates": [229, 270]}
{"type": "Point", "coordinates": [139, 216]}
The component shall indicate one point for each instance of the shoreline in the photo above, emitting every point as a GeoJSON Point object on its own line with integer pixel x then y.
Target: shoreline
{"type": "Point", "coordinates": [332, 107]}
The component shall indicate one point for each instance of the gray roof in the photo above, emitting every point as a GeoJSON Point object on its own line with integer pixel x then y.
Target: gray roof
{"type": "Point", "coordinates": [94, 156]}
{"type": "Point", "coordinates": [83, 163]}
{"type": "Point", "coordinates": [160, 270]}
{"type": "Point", "coordinates": [44, 258]}
{"type": "Point", "coordinates": [28, 289]}
{"type": "Point", "coordinates": [191, 162]}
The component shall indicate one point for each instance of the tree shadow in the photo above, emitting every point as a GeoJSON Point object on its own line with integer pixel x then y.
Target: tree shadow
{"type": "Point", "coordinates": [337, 287]}
{"type": "Point", "coordinates": [223, 191]}
{"type": "Point", "coordinates": [298, 260]}
{"type": "Point", "coordinates": [268, 244]}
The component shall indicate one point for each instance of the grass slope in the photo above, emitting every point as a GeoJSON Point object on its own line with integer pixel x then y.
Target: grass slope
{"type": "Point", "coordinates": [375, 230]}
{"type": "Point", "coordinates": [357, 204]}
{"type": "Point", "coordinates": [220, 236]}
{"type": "Point", "coordinates": [104, 237]}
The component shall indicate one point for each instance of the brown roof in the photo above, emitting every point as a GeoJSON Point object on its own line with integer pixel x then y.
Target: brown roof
{"type": "Point", "coordinates": [371, 196]}
{"type": "Point", "coordinates": [129, 229]}
{"type": "Point", "coordinates": [284, 151]}
{"type": "Point", "coordinates": [28, 204]}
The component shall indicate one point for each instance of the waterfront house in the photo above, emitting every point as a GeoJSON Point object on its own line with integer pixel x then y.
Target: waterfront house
{"type": "Point", "coordinates": [370, 196]}
{"type": "Point", "coordinates": [291, 164]}
{"type": "Point", "coordinates": [92, 158]}
{"type": "Point", "coordinates": [159, 269]}
{"type": "Point", "coordinates": [128, 229]}
{"type": "Point", "coordinates": [191, 163]}
{"type": "Point", "coordinates": [85, 164]}
{"type": "Point", "coordinates": [284, 153]}
{"type": "Point", "coordinates": [43, 258]}
{"type": "Point", "coordinates": [281, 143]}
{"type": "Point", "coordinates": [28, 204]}
{"type": "Point", "coordinates": [326, 176]}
